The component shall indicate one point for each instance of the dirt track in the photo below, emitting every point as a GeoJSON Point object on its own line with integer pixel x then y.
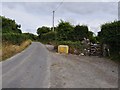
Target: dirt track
{"type": "Point", "coordinates": [72, 71]}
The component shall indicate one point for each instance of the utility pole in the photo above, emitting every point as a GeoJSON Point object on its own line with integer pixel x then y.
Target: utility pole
{"type": "Point", "coordinates": [54, 13]}
{"type": "Point", "coordinates": [53, 20]}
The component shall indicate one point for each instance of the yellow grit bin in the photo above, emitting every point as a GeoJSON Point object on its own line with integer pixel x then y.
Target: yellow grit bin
{"type": "Point", "coordinates": [63, 49]}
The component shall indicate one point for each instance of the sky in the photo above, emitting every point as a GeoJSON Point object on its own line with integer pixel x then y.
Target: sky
{"type": "Point", "coordinates": [32, 15]}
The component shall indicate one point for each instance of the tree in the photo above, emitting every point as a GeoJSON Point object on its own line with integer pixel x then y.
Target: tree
{"type": "Point", "coordinates": [63, 30]}
{"type": "Point", "coordinates": [11, 32]}
{"type": "Point", "coordinates": [91, 37]}
{"type": "Point", "coordinates": [30, 36]}
{"type": "Point", "coordinates": [48, 37]}
{"type": "Point", "coordinates": [42, 30]}
{"type": "Point", "coordinates": [80, 32]}
{"type": "Point", "coordinates": [10, 26]}
{"type": "Point", "coordinates": [110, 35]}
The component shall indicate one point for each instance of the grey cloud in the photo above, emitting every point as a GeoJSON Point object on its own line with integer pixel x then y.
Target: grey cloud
{"type": "Point", "coordinates": [82, 8]}
{"type": "Point", "coordinates": [90, 7]}
{"type": "Point", "coordinates": [43, 8]}
{"type": "Point", "coordinates": [94, 29]}
{"type": "Point", "coordinates": [90, 13]}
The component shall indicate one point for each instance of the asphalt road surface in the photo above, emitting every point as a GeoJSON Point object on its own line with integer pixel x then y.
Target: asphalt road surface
{"type": "Point", "coordinates": [38, 67]}
{"type": "Point", "coordinates": [29, 69]}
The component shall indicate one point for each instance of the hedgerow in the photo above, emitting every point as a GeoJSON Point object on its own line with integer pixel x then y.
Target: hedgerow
{"type": "Point", "coordinates": [14, 38]}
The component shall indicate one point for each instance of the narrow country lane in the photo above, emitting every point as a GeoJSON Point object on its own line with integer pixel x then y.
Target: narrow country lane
{"type": "Point", "coordinates": [29, 69]}
{"type": "Point", "coordinates": [38, 67]}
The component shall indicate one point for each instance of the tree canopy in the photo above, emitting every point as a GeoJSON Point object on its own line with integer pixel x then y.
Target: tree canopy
{"type": "Point", "coordinates": [11, 32]}
{"type": "Point", "coordinates": [110, 35]}
{"type": "Point", "coordinates": [10, 26]}
{"type": "Point", "coordinates": [42, 30]}
{"type": "Point", "coordinates": [80, 32]}
{"type": "Point", "coordinates": [63, 30]}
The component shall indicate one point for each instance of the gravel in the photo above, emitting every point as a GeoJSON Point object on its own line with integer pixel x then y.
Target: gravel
{"type": "Point", "coordinates": [73, 71]}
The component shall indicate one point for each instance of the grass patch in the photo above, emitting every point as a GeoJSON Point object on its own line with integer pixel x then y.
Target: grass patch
{"type": "Point", "coordinates": [8, 50]}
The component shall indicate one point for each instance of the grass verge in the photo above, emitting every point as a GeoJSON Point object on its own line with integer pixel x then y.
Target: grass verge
{"type": "Point", "coordinates": [8, 50]}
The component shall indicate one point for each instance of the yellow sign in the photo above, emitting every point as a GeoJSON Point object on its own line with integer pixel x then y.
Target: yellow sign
{"type": "Point", "coordinates": [63, 49]}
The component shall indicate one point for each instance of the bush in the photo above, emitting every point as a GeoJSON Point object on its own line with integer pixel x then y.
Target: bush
{"type": "Point", "coordinates": [48, 37]}
{"type": "Point", "coordinates": [31, 36]}
{"type": "Point", "coordinates": [9, 25]}
{"type": "Point", "coordinates": [14, 38]}
{"type": "Point", "coordinates": [110, 35]}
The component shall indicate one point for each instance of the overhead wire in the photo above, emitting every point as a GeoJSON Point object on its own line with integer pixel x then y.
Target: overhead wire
{"type": "Point", "coordinates": [59, 6]}
{"type": "Point", "coordinates": [53, 15]}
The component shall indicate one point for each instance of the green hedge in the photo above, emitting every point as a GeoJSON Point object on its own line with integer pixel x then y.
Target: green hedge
{"type": "Point", "coordinates": [50, 36]}
{"type": "Point", "coordinates": [110, 35]}
{"type": "Point", "coordinates": [14, 38]}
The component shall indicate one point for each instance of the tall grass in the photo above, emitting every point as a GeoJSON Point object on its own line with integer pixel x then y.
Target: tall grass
{"type": "Point", "coordinates": [9, 49]}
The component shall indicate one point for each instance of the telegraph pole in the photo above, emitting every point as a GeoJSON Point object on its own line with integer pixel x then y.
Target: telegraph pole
{"type": "Point", "coordinates": [54, 13]}
{"type": "Point", "coordinates": [53, 20]}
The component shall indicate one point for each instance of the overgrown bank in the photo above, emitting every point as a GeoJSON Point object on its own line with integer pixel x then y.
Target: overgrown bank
{"type": "Point", "coordinates": [9, 49]}
{"type": "Point", "coordinates": [13, 40]}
